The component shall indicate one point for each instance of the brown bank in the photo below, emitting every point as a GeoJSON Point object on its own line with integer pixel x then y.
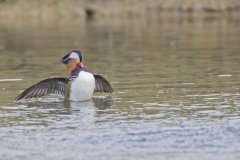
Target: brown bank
{"type": "Point", "coordinates": [112, 8]}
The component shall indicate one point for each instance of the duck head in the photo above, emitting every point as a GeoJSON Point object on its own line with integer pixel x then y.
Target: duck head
{"type": "Point", "coordinates": [73, 60]}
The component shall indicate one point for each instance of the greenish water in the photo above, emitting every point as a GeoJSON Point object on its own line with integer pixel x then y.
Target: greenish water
{"type": "Point", "coordinates": [176, 90]}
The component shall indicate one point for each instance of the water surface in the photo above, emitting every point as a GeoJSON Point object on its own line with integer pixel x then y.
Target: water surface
{"type": "Point", "coordinates": [176, 90]}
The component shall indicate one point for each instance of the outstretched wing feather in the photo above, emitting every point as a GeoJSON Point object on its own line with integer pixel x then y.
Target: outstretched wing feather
{"type": "Point", "coordinates": [102, 85]}
{"type": "Point", "coordinates": [45, 87]}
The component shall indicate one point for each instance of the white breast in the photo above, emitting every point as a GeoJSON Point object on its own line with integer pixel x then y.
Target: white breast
{"type": "Point", "coordinates": [82, 87]}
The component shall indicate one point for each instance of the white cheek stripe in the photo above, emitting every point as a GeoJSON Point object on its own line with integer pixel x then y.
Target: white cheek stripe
{"type": "Point", "coordinates": [74, 56]}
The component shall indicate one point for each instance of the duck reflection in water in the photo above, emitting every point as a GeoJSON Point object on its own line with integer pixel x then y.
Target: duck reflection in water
{"type": "Point", "coordinates": [59, 106]}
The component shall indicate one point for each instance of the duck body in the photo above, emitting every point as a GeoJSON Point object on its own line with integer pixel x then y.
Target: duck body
{"type": "Point", "coordinates": [81, 87]}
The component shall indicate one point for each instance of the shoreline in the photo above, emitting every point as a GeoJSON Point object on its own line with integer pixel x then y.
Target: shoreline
{"type": "Point", "coordinates": [82, 9]}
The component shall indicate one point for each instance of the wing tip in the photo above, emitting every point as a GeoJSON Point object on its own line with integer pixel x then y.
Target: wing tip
{"type": "Point", "coordinates": [111, 90]}
{"type": "Point", "coordinates": [19, 97]}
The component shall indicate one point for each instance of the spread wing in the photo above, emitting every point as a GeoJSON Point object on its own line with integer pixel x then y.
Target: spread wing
{"type": "Point", "coordinates": [102, 85]}
{"type": "Point", "coordinates": [55, 86]}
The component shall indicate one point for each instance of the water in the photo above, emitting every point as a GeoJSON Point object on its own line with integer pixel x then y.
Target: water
{"type": "Point", "coordinates": [176, 90]}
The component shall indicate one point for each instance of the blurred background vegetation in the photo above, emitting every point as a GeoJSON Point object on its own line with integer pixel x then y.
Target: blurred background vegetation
{"type": "Point", "coordinates": [114, 8]}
